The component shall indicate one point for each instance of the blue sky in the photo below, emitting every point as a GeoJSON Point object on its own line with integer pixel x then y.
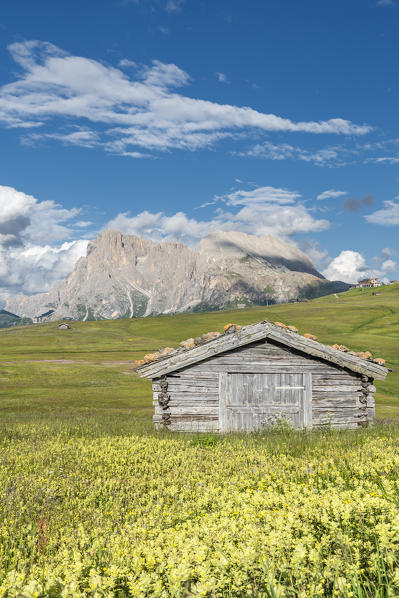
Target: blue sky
{"type": "Point", "coordinates": [172, 118]}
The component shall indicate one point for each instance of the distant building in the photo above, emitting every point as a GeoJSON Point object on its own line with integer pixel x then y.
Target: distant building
{"type": "Point", "coordinates": [394, 282]}
{"type": "Point", "coordinates": [42, 317]}
{"type": "Point", "coordinates": [368, 283]}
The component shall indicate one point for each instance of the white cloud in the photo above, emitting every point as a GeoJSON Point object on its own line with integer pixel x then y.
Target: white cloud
{"type": "Point", "coordinates": [263, 211]}
{"type": "Point", "coordinates": [174, 5]}
{"type": "Point", "coordinates": [40, 240]}
{"type": "Point", "coordinates": [54, 88]}
{"type": "Point", "coordinates": [388, 266]}
{"type": "Point", "coordinates": [272, 151]}
{"type": "Point", "coordinates": [331, 156]}
{"type": "Point", "coordinates": [36, 242]}
{"type": "Point", "coordinates": [83, 138]}
{"type": "Point", "coordinates": [83, 223]}
{"type": "Point", "coordinates": [260, 195]}
{"type": "Point", "coordinates": [384, 159]}
{"type": "Point", "coordinates": [36, 268]}
{"type": "Point", "coordinates": [350, 266]}
{"type": "Point", "coordinates": [126, 63]}
{"type": "Point", "coordinates": [169, 5]}
{"type": "Point", "coordinates": [317, 254]}
{"type": "Point", "coordinates": [163, 30]}
{"type": "Point", "coordinates": [387, 216]}
{"type": "Point", "coordinates": [221, 77]}
{"type": "Point", "coordinates": [39, 245]}
{"type": "Point", "coordinates": [331, 194]}
{"type": "Point", "coordinates": [282, 222]}
{"type": "Point", "coordinates": [323, 157]}
{"type": "Point", "coordinates": [23, 219]}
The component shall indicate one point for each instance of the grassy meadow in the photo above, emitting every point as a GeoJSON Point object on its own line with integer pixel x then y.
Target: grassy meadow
{"type": "Point", "coordinates": [95, 503]}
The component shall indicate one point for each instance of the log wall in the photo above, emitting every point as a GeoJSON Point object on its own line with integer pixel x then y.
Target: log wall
{"type": "Point", "coordinates": [193, 401]}
{"type": "Point", "coordinates": [188, 399]}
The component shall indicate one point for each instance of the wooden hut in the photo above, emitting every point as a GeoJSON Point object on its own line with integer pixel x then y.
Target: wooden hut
{"type": "Point", "coordinates": [254, 376]}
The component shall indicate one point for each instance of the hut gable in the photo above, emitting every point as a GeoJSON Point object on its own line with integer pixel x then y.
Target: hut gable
{"type": "Point", "coordinates": [252, 333]}
{"type": "Point", "coordinates": [257, 375]}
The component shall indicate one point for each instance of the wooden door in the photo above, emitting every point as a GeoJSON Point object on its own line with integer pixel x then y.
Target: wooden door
{"type": "Point", "coordinates": [250, 402]}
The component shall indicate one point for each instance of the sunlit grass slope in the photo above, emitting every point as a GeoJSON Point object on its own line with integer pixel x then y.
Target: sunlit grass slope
{"type": "Point", "coordinates": [88, 368]}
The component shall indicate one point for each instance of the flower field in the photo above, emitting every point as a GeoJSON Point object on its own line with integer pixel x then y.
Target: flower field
{"type": "Point", "coordinates": [95, 503]}
{"type": "Point", "coordinates": [86, 513]}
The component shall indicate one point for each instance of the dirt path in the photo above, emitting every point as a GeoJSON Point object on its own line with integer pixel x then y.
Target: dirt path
{"type": "Point", "coordinates": [66, 361]}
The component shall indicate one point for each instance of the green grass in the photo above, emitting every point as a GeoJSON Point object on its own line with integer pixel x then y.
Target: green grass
{"type": "Point", "coordinates": [96, 377]}
{"type": "Point", "coordinates": [96, 503]}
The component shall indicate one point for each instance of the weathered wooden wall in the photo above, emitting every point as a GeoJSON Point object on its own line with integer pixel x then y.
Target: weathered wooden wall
{"type": "Point", "coordinates": [340, 398]}
{"type": "Point", "coordinates": [194, 401]}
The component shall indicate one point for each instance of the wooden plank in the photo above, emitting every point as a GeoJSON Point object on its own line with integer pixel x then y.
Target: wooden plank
{"type": "Point", "coordinates": [336, 404]}
{"type": "Point", "coordinates": [323, 380]}
{"type": "Point", "coordinates": [190, 410]}
{"type": "Point", "coordinates": [334, 391]}
{"type": "Point", "coordinates": [181, 388]}
{"type": "Point", "coordinates": [194, 382]}
{"type": "Point", "coordinates": [334, 421]}
{"type": "Point", "coordinates": [183, 425]}
{"type": "Point", "coordinates": [273, 361]}
{"type": "Point", "coordinates": [186, 399]}
{"type": "Point", "coordinates": [226, 342]}
{"type": "Point", "coordinates": [191, 399]}
{"type": "Point", "coordinates": [316, 349]}
{"type": "Point", "coordinates": [338, 414]}
{"type": "Point", "coordinates": [223, 390]}
{"type": "Point", "coordinates": [329, 380]}
{"type": "Point", "coordinates": [323, 418]}
{"type": "Point", "coordinates": [338, 426]}
{"type": "Point", "coordinates": [307, 398]}
{"type": "Point", "coordinates": [256, 332]}
{"type": "Point", "coordinates": [184, 417]}
{"type": "Point", "coordinates": [260, 369]}
{"type": "Point", "coordinates": [187, 384]}
{"type": "Point", "coordinates": [176, 395]}
{"type": "Point", "coordinates": [326, 393]}
{"type": "Point", "coordinates": [193, 427]}
{"type": "Point", "coordinates": [196, 396]}
{"type": "Point", "coordinates": [275, 408]}
{"type": "Point", "coordinates": [370, 407]}
{"type": "Point", "coordinates": [341, 412]}
{"type": "Point", "coordinates": [337, 384]}
{"type": "Point", "coordinates": [189, 374]}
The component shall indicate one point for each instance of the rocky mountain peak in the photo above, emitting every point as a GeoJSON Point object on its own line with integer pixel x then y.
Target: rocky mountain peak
{"type": "Point", "coordinates": [275, 252]}
{"type": "Point", "coordinates": [127, 275]}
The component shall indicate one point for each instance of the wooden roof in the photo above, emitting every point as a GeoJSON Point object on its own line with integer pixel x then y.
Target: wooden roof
{"type": "Point", "coordinates": [255, 332]}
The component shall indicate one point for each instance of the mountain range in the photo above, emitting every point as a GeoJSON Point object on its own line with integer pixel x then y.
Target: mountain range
{"type": "Point", "coordinates": [129, 276]}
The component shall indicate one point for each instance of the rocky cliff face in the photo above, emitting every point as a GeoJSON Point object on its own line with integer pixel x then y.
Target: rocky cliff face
{"type": "Point", "coordinates": [126, 276]}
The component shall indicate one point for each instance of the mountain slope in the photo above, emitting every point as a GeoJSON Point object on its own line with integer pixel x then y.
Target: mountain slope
{"type": "Point", "coordinates": [126, 276]}
{"type": "Point", "coordinates": [7, 320]}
